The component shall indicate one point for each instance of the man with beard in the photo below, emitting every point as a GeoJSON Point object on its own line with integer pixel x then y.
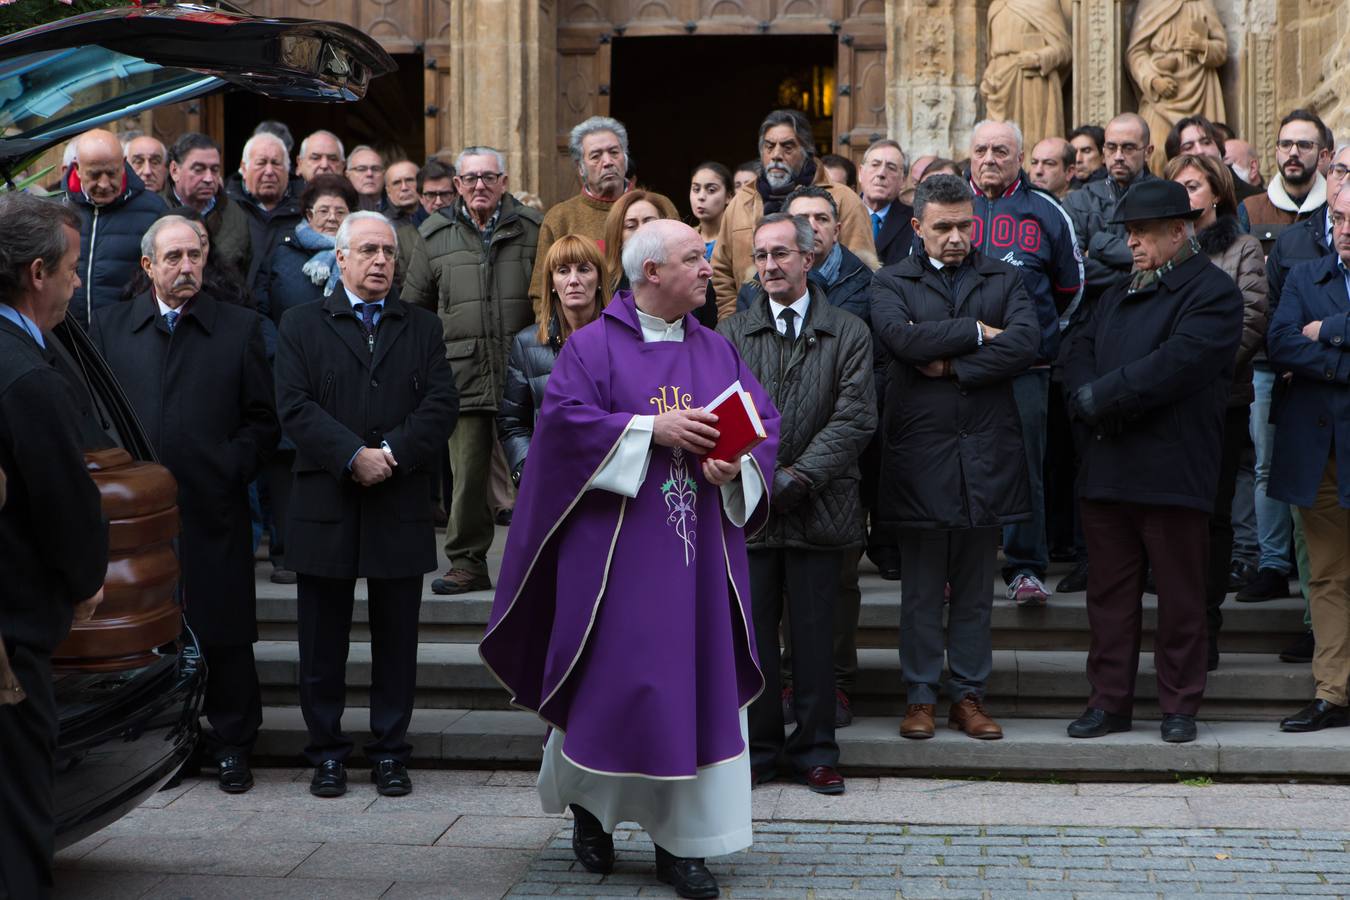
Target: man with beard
{"type": "Point", "coordinates": [1298, 189]}
{"type": "Point", "coordinates": [787, 154]}
{"type": "Point", "coordinates": [599, 148]}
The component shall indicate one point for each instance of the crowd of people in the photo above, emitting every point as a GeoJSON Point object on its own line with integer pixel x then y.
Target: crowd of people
{"type": "Point", "coordinates": [1050, 350]}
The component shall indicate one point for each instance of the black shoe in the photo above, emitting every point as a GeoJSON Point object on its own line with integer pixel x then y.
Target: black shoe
{"type": "Point", "coordinates": [330, 779]}
{"type": "Point", "coordinates": [391, 778]}
{"type": "Point", "coordinates": [1267, 584]}
{"type": "Point", "coordinates": [1150, 586]}
{"type": "Point", "coordinates": [1212, 659]}
{"type": "Point", "coordinates": [1301, 650]}
{"type": "Point", "coordinates": [282, 576]}
{"type": "Point", "coordinates": [594, 848]}
{"type": "Point", "coordinates": [762, 775]}
{"type": "Point", "coordinates": [1239, 573]}
{"type": "Point", "coordinates": [1097, 722]}
{"type": "Point", "coordinates": [1178, 728]}
{"type": "Point", "coordinates": [789, 711]}
{"type": "Point", "coordinates": [843, 710]}
{"type": "Point", "coordinates": [1075, 582]}
{"type": "Point", "coordinates": [1317, 715]}
{"type": "Point", "coordinates": [234, 774]}
{"type": "Point", "coordinates": [503, 518]}
{"type": "Point", "coordinates": [689, 876]}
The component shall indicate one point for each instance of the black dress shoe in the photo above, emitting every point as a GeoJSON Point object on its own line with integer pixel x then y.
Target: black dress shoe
{"type": "Point", "coordinates": [391, 778]}
{"type": "Point", "coordinates": [1075, 582]}
{"type": "Point", "coordinates": [887, 561]}
{"type": "Point", "coordinates": [1178, 728]}
{"type": "Point", "coordinates": [1098, 722]}
{"type": "Point", "coordinates": [235, 775]}
{"type": "Point", "coordinates": [330, 779]}
{"type": "Point", "coordinates": [1301, 650]}
{"type": "Point", "coordinates": [1267, 584]}
{"type": "Point", "coordinates": [1317, 715]}
{"type": "Point", "coordinates": [594, 848]}
{"type": "Point", "coordinates": [689, 876]}
{"type": "Point", "coordinates": [762, 775]}
{"type": "Point", "coordinates": [1239, 573]}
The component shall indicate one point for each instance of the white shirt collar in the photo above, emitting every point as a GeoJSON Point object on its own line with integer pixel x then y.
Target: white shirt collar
{"type": "Point", "coordinates": [937, 263]}
{"type": "Point", "coordinates": [165, 308]}
{"type": "Point", "coordinates": [656, 329]}
{"type": "Point", "coordinates": [799, 307]}
{"type": "Point", "coordinates": [354, 300]}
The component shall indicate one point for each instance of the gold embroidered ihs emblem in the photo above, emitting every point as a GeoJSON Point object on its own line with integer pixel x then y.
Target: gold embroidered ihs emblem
{"type": "Point", "coordinates": [671, 398]}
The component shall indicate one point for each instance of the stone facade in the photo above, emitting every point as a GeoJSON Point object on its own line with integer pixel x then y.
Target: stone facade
{"type": "Point", "coordinates": [518, 73]}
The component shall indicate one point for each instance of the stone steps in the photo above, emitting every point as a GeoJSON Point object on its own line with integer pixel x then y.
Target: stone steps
{"type": "Point", "coordinates": [1061, 625]}
{"type": "Point", "coordinates": [1024, 683]}
{"type": "Point", "coordinates": [1034, 748]}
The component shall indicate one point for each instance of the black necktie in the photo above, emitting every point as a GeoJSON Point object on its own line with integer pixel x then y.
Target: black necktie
{"type": "Point", "coordinates": [789, 317]}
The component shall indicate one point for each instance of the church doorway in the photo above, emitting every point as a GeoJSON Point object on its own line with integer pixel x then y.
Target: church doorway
{"type": "Point", "coordinates": [689, 99]}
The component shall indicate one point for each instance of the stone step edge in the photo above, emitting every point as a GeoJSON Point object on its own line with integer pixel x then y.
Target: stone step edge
{"type": "Point", "coordinates": [1031, 748]}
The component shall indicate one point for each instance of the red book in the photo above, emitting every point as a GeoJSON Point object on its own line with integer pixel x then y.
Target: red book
{"type": "Point", "coordinates": [738, 424]}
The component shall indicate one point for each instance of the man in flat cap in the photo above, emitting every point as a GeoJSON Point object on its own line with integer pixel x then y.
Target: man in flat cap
{"type": "Point", "coordinates": [1146, 375]}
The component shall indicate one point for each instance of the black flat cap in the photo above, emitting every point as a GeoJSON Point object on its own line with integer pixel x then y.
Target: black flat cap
{"type": "Point", "coordinates": [1154, 199]}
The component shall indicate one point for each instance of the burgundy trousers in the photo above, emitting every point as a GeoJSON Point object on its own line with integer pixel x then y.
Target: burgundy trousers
{"type": "Point", "coordinates": [1123, 539]}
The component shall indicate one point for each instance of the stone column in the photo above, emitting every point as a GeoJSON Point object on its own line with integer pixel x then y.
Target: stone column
{"type": "Point", "coordinates": [494, 71]}
{"type": "Point", "coordinates": [933, 67]}
{"type": "Point", "coordinates": [1099, 81]}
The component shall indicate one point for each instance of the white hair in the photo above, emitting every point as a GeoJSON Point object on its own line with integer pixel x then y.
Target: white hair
{"type": "Point", "coordinates": [255, 140]}
{"type": "Point", "coordinates": [594, 125]}
{"type": "Point", "coordinates": [68, 155]}
{"type": "Point", "coordinates": [1012, 126]}
{"type": "Point", "coordinates": [342, 154]}
{"type": "Point", "coordinates": [343, 241]}
{"type": "Point", "coordinates": [643, 246]}
{"type": "Point", "coordinates": [481, 151]}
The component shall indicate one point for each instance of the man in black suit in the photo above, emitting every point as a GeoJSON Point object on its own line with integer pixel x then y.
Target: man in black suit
{"type": "Point", "coordinates": [196, 373]}
{"type": "Point", "coordinates": [366, 394]}
{"type": "Point", "coordinates": [53, 540]}
{"type": "Point", "coordinates": [880, 178]}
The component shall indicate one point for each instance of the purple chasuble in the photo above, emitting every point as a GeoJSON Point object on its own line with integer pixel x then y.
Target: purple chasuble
{"type": "Point", "coordinates": [625, 622]}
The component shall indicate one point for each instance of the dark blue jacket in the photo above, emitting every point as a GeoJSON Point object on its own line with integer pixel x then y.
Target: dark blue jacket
{"type": "Point", "coordinates": [1027, 229]}
{"type": "Point", "coordinates": [1298, 243]}
{"type": "Point", "coordinates": [110, 243]}
{"type": "Point", "coordinates": [282, 284]}
{"type": "Point", "coordinates": [849, 292]}
{"type": "Point", "coordinates": [1313, 416]}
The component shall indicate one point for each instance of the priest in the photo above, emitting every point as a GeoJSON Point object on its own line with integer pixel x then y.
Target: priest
{"type": "Point", "coordinates": [622, 615]}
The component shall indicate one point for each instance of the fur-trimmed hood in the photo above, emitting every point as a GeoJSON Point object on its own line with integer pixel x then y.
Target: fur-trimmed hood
{"type": "Point", "coordinates": [1217, 238]}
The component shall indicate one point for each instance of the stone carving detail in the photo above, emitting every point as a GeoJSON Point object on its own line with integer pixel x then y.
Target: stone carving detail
{"type": "Point", "coordinates": [1097, 70]}
{"type": "Point", "coordinates": [1029, 45]}
{"type": "Point", "coordinates": [1176, 48]}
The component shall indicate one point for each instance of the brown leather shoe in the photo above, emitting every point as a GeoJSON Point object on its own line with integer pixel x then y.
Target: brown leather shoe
{"type": "Point", "coordinates": [969, 716]}
{"type": "Point", "coordinates": [918, 722]}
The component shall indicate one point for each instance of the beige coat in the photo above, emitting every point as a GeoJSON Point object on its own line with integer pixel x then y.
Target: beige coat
{"type": "Point", "coordinates": [731, 262]}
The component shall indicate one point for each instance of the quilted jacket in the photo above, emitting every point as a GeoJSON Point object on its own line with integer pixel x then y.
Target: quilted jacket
{"type": "Point", "coordinates": [822, 385]}
{"type": "Point", "coordinates": [527, 369]}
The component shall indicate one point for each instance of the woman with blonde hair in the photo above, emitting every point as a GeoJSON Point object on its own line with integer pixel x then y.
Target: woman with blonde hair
{"type": "Point", "coordinates": [629, 213]}
{"type": "Point", "coordinates": [576, 296]}
{"type": "Point", "coordinates": [1209, 184]}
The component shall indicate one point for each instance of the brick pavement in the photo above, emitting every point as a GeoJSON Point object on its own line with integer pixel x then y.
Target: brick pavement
{"type": "Point", "coordinates": [480, 835]}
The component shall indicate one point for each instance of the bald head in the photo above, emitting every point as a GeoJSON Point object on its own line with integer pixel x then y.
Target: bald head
{"type": "Point", "coordinates": [1127, 147]}
{"type": "Point", "coordinates": [664, 263]}
{"type": "Point", "coordinates": [98, 155]}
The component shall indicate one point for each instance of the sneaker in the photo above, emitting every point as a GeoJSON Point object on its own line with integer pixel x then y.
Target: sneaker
{"type": "Point", "coordinates": [843, 713]}
{"type": "Point", "coordinates": [789, 715]}
{"type": "Point", "coordinates": [1027, 590]}
{"type": "Point", "coordinates": [1301, 650]}
{"type": "Point", "coordinates": [461, 581]}
{"type": "Point", "coordinates": [1075, 582]}
{"type": "Point", "coordinates": [1268, 584]}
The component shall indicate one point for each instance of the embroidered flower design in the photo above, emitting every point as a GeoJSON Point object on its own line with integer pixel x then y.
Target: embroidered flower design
{"type": "Point", "coordinates": [680, 493]}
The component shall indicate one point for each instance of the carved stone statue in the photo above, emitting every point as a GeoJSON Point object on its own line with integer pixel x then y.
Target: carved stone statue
{"type": "Point", "coordinates": [1029, 45]}
{"type": "Point", "coordinates": [1175, 51]}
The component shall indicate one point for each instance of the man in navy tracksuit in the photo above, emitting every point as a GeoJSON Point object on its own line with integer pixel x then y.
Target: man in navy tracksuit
{"type": "Point", "coordinates": [1016, 224]}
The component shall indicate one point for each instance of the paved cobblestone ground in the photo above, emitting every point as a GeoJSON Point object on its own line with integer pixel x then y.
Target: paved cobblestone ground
{"type": "Point", "coordinates": [480, 835]}
{"type": "Point", "coordinates": [870, 861]}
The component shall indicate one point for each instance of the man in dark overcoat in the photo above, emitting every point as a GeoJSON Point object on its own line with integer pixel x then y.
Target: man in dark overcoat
{"type": "Point", "coordinates": [53, 540]}
{"type": "Point", "coordinates": [957, 327]}
{"type": "Point", "coordinates": [1147, 375]}
{"type": "Point", "coordinates": [366, 394]}
{"type": "Point", "coordinates": [196, 373]}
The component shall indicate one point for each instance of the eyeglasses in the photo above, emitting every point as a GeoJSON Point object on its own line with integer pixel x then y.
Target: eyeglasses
{"type": "Point", "coordinates": [1284, 146]}
{"type": "Point", "coordinates": [367, 170]}
{"type": "Point", "coordinates": [1340, 170]}
{"type": "Point", "coordinates": [780, 255]}
{"type": "Point", "coordinates": [488, 178]}
{"type": "Point", "coordinates": [1127, 149]}
{"type": "Point", "coordinates": [438, 196]}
